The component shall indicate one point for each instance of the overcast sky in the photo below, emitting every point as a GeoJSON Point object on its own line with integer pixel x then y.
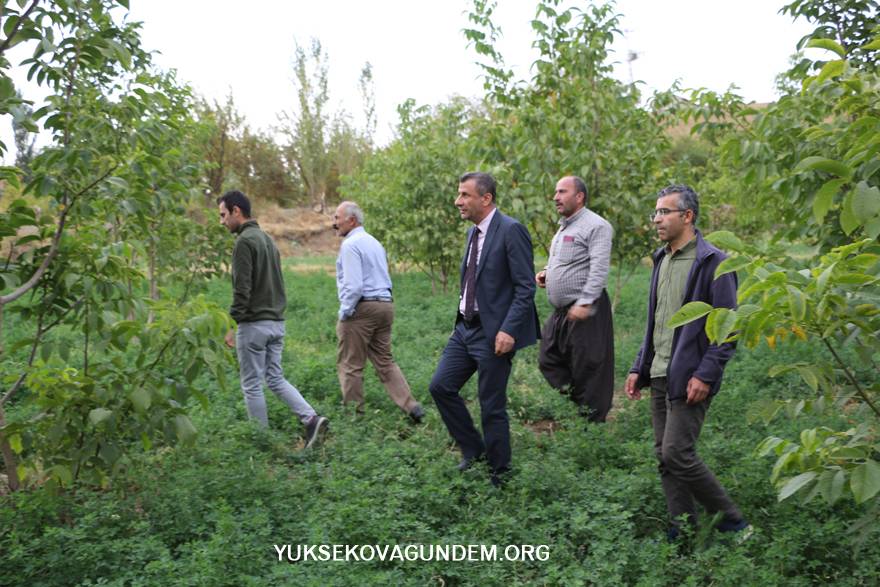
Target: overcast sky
{"type": "Point", "coordinates": [418, 51]}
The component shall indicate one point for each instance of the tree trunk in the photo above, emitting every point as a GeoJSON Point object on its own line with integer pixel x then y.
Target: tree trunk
{"type": "Point", "coordinates": [8, 456]}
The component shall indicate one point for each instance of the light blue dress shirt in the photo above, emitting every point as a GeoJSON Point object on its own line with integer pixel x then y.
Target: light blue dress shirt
{"type": "Point", "coordinates": [361, 271]}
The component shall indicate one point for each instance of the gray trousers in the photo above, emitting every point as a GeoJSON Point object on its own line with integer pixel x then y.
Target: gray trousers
{"type": "Point", "coordinates": [258, 346]}
{"type": "Point", "coordinates": [685, 477]}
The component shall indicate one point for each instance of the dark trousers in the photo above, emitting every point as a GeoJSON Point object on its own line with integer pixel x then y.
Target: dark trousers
{"type": "Point", "coordinates": [685, 477]}
{"type": "Point", "coordinates": [468, 351]}
{"type": "Point", "coordinates": [580, 355]}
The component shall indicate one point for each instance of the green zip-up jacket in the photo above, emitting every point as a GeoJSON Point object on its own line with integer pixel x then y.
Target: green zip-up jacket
{"type": "Point", "coordinates": [257, 284]}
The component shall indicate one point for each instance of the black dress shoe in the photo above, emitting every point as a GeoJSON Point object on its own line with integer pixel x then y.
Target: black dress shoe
{"type": "Point", "coordinates": [417, 414]}
{"type": "Point", "coordinates": [499, 478]}
{"type": "Point", "coordinates": [468, 462]}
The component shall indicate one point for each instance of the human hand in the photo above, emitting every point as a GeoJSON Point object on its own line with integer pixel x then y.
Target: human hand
{"type": "Point", "coordinates": [503, 343]}
{"type": "Point", "coordinates": [541, 279]}
{"type": "Point", "coordinates": [697, 391]}
{"type": "Point", "coordinates": [577, 313]}
{"type": "Point", "coordinates": [631, 387]}
{"type": "Point", "coordinates": [229, 339]}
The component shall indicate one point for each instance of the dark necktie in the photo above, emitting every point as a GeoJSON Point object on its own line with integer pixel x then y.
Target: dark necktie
{"type": "Point", "coordinates": [470, 277]}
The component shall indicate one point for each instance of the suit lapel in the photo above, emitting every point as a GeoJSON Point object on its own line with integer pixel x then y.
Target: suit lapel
{"type": "Point", "coordinates": [487, 242]}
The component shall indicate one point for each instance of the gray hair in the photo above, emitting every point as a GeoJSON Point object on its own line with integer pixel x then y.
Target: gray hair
{"type": "Point", "coordinates": [350, 209]}
{"type": "Point", "coordinates": [687, 198]}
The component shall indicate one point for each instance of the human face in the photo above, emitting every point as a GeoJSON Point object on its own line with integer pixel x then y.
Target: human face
{"type": "Point", "coordinates": [471, 205]}
{"type": "Point", "coordinates": [231, 220]}
{"type": "Point", "coordinates": [343, 224]}
{"type": "Point", "coordinates": [566, 197]}
{"type": "Point", "coordinates": [676, 227]}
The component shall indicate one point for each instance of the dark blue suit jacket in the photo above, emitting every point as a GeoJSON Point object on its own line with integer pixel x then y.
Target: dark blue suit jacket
{"type": "Point", "coordinates": [506, 282]}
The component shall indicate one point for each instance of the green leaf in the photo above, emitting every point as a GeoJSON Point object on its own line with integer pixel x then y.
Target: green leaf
{"type": "Point", "coordinates": [809, 376]}
{"type": "Point", "coordinates": [731, 264]}
{"type": "Point", "coordinates": [837, 486]}
{"type": "Point", "coordinates": [724, 239]}
{"type": "Point", "coordinates": [688, 313]}
{"type": "Point", "coordinates": [98, 415]}
{"type": "Point", "coordinates": [118, 183]}
{"type": "Point", "coordinates": [62, 473]}
{"type": "Point", "coordinates": [822, 280]}
{"type": "Point", "coordinates": [720, 324]}
{"type": "Point", "coordinates": [777, 370]}
{"type": "Point", "coordinates": [15, 443]}
{"type": "Point", "coordinates": [865, 201]}
{"type": "Point", "coordinates": [825, 198]}
{"type": "Point", "coordinates": [831, 69]}
{"type": "Point", "coordinates": [763, 410]}
{"type": "Point", "coordinates": [827, 44]}
{"type": "Point", "coordinates": [46, 350]}
{"type": "Point", "coordinates": [848, 219]}
{"type": "Point", "coordinates": [872, 228]}
{"type": "Point", "coordinates": [825, 165]}
{"type": "Point", "coordinates": [873, 45]}
{"type": "Point", "coordinates": [865, 481]}
{"type": "Point", "coordinates": [141, 399]}
{"type": "Point", "coordinates": [794, 484]}
{"type": "Point", "coordinates": [796, 303]}
{"type": "Point", "coordinates": [186, 432]}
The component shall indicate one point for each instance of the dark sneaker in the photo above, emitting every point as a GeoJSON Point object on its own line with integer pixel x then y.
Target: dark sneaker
{"type": "Point", "coordinates": [315, 429]}
{"type": "Point", "coordinates": [417, 414]}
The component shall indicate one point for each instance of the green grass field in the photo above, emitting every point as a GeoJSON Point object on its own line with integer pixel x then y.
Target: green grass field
{"type": "Point", "coordinates": [210, 514]}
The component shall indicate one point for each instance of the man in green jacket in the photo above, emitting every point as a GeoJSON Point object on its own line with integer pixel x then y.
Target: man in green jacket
{"type": "Point", "coordinates": [258, 303]}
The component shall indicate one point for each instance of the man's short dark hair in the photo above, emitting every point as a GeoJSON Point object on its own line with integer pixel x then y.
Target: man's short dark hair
{"type": "Point", "coordinates": [485, 183]}
{"type": "Point", "coordinates": [580, 187]}
{"type": "Point", "coordinates": [687, 198]}
{"type": "Point", "coordinates": [234, 198]}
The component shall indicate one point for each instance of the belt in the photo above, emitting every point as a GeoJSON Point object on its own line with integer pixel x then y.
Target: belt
{"type": "Point", "coordinates": [375, 299]}
{"type": "Point", "coordinates": [472, 323]}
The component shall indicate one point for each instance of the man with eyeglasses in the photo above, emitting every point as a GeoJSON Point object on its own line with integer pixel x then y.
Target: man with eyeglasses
{"type": "Point", "coordinates": [577, 342]}
{"type": "Point", "coordinates": [680, 366]}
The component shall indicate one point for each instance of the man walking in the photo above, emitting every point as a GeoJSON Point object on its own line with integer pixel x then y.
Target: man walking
{"type": "Point", "coordinates": [577, 342]}
{"type": "Point", "coordinates": [496, 317]}
{"type": "Point", "coordinates": [258, 303]}
{"type": "Point", "coordinates": [682, 369]}
{"type": "Point", "coordinates": [366, 313]}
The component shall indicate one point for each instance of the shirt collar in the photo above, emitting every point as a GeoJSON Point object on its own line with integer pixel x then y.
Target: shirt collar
{"type": "Point", "coordinates": [485, 222]}
{"type": "Point", "coordinates": [566, 221]}
{"type": "Point", "coordinates": [690, 245]}
{"type": "Point", "coordinates": [354, 231]}
{"type": "Point", "coordinates": [246, 224]}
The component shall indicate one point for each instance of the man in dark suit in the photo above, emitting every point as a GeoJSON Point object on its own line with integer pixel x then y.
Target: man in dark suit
{"type": "Point", "coordinates": [496, 317]}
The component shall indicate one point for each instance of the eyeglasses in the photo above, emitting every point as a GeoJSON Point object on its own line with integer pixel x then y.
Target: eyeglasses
{"type": "Point", "coordinates": [664, 212]}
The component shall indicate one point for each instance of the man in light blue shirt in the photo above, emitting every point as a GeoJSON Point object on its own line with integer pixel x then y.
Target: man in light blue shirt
{"type": "Point", "coordinates": [366, 313]}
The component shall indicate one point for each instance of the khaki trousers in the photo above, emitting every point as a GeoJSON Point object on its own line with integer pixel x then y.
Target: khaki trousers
{"type": "Point", "coordinates": [367, 335]}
